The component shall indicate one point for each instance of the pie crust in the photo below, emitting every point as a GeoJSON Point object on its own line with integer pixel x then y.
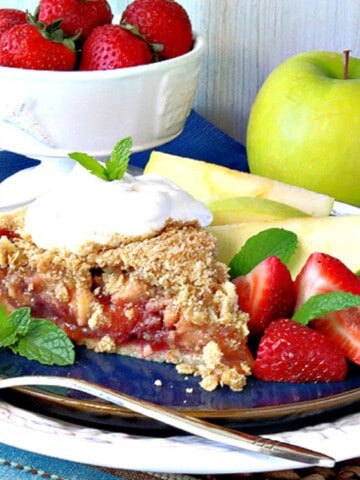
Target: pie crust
{"type": "Point", "coordinates": [163, 297]}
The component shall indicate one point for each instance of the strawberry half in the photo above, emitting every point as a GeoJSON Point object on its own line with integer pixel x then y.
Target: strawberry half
{"type": "Point", "coordinates": [291, 352]}
{"type": "Point", "coordinates": [323, 273]}
{"type": "Point", "coordinates": [266, 293]}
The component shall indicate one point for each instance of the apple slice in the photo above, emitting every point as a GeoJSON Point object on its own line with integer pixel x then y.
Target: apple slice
{"type": "Point", "coordinates": [250, 209]}
{"type": "Point", "coordinates": [336, 236]}
{"type": "Point", "coordinates": [208, 182]}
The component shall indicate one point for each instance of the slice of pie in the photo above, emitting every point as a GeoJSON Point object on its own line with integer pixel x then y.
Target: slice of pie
{"type": "Point", "coordinates": [162, 297]}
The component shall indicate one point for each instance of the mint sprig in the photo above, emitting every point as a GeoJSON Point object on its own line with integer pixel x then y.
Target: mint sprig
{"type": "Point", "coordinates": [35, 338]}
{"type": "Point", "coordinates": [319, 305]}
{"type": "Point", "coordinates": [272, 241]}
{"type": "Point", "coordinates": [114, 167]}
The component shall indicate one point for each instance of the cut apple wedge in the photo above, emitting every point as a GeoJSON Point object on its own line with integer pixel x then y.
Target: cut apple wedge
{"type": "Point", "coordinates": [208, 182]}
{"type": "Point", "coordinates": [337, 236]}
{"type": "Point", "coordinates": [250, 209]}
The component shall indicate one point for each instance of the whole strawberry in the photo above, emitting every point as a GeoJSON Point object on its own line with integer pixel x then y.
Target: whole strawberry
{"type": "Point", "coordinates": [111, 46]}
{"type": "Point", "coordinates": [75, 15]}
{"type": "Point", "coordinates": [31, 47]}
{"type": "Point", "coordinates": [161, 22]}
{"type": "Point", "coordinates": [291, 352]}
{"type": "Point", "coordinates": [10, 17]}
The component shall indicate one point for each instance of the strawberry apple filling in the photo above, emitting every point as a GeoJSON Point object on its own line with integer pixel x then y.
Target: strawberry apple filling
{"type": "Point", "coordinates": [136, 314]}
{"type": "Point", "coordinates": [131, 314]}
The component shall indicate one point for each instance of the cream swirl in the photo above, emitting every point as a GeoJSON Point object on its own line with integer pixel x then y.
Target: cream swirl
{"type": "Point", "coordinates": [84, 208]}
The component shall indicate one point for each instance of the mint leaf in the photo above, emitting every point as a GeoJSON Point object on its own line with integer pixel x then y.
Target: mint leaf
{"type": "Point", "coordinates": [35, 339]}
{"type": "Point", "coordinates": [273, 241]}
{"type": "Point", "coordinates": [319, 305]}
{"type": "Point", "coordinates": [114, 167]}
{"type": "Point", "coordinates": [90, 163]}
{"type": "Point", "coordinates": [8, 333]}
{"type": "Point", "coordinates": [21, 320]}
{"type": "Point", "coordinates": [117, 164]}
{"type": "Point", "coordinates": [45, 343]}
{"type": "Point", "coordinates": [13, 326]}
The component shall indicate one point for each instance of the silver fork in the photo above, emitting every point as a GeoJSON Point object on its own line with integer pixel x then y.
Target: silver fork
{"type": "Point", "coordinates": [178, 420]}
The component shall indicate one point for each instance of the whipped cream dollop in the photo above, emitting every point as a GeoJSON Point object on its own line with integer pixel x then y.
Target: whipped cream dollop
{"type": "Point", "coordinates": [83, 208]}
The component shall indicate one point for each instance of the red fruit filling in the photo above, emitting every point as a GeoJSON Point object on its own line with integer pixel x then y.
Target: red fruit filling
{"type": "Point", "coordinates": [139, 315]}
{"type": "Point", "coordinates": [4, 232]}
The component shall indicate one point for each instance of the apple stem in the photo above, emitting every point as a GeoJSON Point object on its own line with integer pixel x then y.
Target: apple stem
{"type": "Point", "coordinates": [346, 64]}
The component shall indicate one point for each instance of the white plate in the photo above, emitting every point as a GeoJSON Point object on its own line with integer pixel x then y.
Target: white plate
{"type": "Point", "coordinates": [177, 454]}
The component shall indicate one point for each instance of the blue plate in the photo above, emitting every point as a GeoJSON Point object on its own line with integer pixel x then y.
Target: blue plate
{"type": "Point", "coordinates": [260, 405]}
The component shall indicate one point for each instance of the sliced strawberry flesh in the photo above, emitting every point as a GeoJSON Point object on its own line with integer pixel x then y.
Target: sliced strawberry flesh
{"type": "Point", "coordinates": [266, 293]}
{"type": "Point", "coordinates": [343, 329]}
{"type": "Point", "coordinates": [323, 274]}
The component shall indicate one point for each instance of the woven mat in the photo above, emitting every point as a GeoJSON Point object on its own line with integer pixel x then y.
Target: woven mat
{"type": "Point", "coordinates": [348, 470]}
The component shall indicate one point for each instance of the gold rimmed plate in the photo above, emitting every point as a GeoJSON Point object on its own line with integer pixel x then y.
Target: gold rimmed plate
{"type": "Point", "coordinates": [261, 405]}
{"type": "Point", "coordinates": [268, 406]}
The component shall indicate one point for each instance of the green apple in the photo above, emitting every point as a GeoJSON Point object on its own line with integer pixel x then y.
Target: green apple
{"type": "Point", "coordinates": [304, 125]}
{"type": "Point", "coordinates": [250, 209]}
{"type": "Point", "coordinates": [337, 236]}
{"type": "Point", "coordinates": [208, 182]}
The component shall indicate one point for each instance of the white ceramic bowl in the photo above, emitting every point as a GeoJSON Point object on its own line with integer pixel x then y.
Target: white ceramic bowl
{"type": "Point", "coordinates": [46, 114]}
